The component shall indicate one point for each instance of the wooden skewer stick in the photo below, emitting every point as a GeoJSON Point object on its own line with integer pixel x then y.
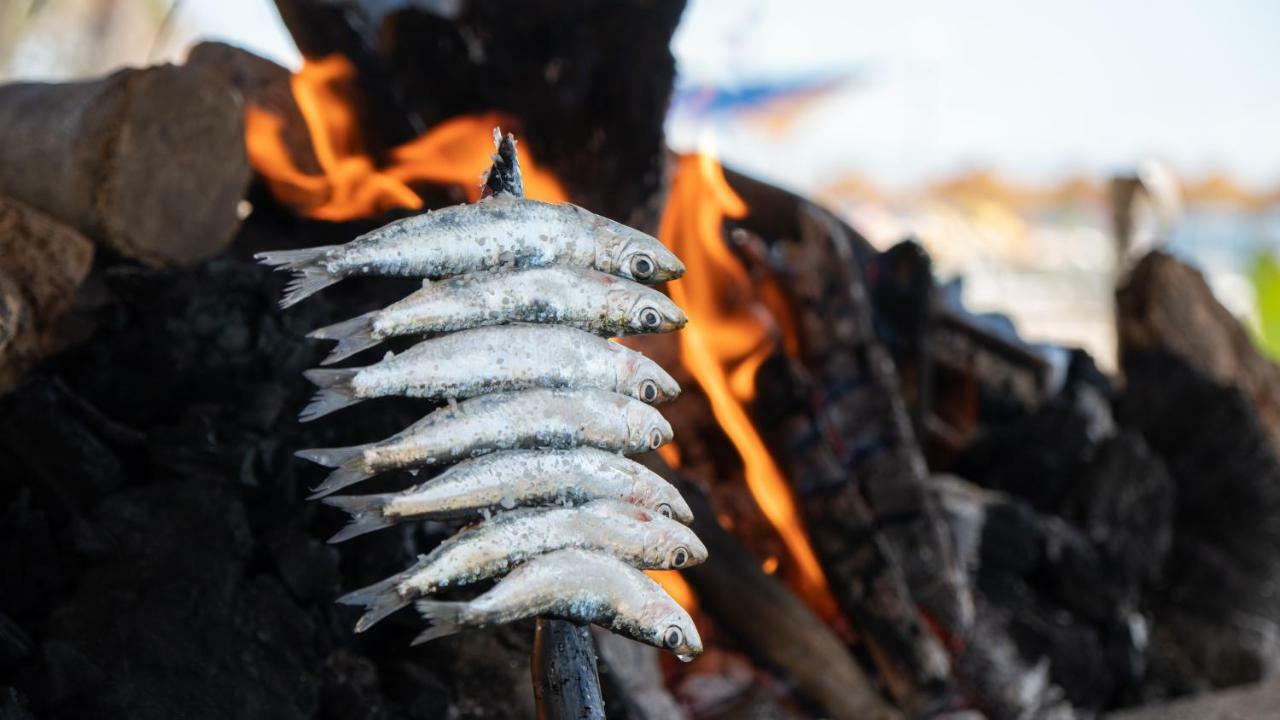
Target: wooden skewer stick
{"type": "Point", "coordinates": [566, 682]}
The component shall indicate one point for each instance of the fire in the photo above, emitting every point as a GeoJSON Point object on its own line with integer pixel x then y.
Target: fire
{"type": "Point", "coordinates": [677, 587]}
{"type": "Point", "coordinates": [351, 184]}
{"type": "Point", "coordinates": [730, 333]}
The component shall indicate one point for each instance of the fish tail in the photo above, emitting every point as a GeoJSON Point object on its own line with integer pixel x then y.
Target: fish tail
{"type": "Point", "coordinates": [336, 391]}
{"type": "Point", "coordinates": [348, 461]}
{"type": "Point", "coordinates": [352, 335]}
{"type": "Point", "coordinates": [366, 514]}
{"type": "Point", "coordinates": [310, 276]}
{"type": "Point", "coordinates": [445, 616]}
{"type": "Point", "coordinates": [379, 600]}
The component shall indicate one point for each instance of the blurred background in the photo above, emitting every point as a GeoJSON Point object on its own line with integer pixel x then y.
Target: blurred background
{"type": "Point", "coordinates": [994, 132]}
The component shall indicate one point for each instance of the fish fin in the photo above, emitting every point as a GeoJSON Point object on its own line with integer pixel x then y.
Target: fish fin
{"type": "Point", "coordinates": [352, 335]}
{"type": "Point", "coordinates": [331, 457]}
{"type": "Point", "coordinates": [446, 616]}
{"type": "Point", "coordinates": [309, 276]}
{"type": "Point", "coordinates": [349, 470]}
{"type": "Point", "coordinates": [379, 600]}
{"type": "Point", "coordinates": [336, 392]}
{"type": "Point", "coordinates": [366, 514]}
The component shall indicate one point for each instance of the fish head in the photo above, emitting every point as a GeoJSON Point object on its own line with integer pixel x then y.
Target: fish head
{"type": "Point", "coordinates": [649, 311]}
{"type": "Point", "coordinates": [672, 546]}
{"type": "Point", "coordinates": [669, 627]}
{"type": "Point", "coordinates": [644, 379]}
{"type": "Point", "coordinates": [631, 254]}
{"type": "Point", "coordinates": [646, 428]}
{"type": "Point", "coordinates": [649, 490]}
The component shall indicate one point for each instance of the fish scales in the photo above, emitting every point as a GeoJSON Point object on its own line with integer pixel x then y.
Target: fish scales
{"type": "Point", "coordinates": [575, 585]}
{"type": "Point", "coordinates": [638, 536]}
{"type": "Point", "coordinates": [498, 232]}
{"type": "Point", "coordinates": [491, 359]}
{"type": "Point", "coordinates": [535, 418]}
{"type": "Point", "coordinates": [577, 297]}
{"type": "Point", "coordinates": [509, 479]}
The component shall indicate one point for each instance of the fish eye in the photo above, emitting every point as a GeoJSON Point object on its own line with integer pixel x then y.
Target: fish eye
{"type": "Point", "coordinates": [650, 318]}
{"type": "Point", "coordinates": [673, 637]}
{"type": "Point", "coordinates": [655, 439]}
{"type": "Point", "coordinates": [679, 557]}
{"type": "Point", "coordinates": [665, 510]}
{"type": "Point", "coordinates": [649, 393]}
{"type": "Point", "coordinates": [642, 267]}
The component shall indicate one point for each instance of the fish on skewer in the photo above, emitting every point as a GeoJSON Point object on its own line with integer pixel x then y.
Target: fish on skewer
{"type": "Point", "coordinates": [536, 418]}
{"type": "Point", "coordinates": [497, 232]}
{"type": "Point", "coordinates": [638, 536]}
{"type": "Point", "coordinates": [493, 359]}
{"type": "Point", "coordinates": [578, 297]}
{"type": "Point", "coordinates": [515, 478]}
{"type": "Point", "coordinates": [574, 585]}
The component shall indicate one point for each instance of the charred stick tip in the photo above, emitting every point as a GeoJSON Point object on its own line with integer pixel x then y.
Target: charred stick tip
{"type": "Point", "coordinates": [503, 177]}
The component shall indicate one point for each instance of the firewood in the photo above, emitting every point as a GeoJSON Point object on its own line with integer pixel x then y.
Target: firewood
{"type": "Point", "coordinates": [1166, 305]}
{"type": "Point", "coordinates": [42, 264]}
{"type": "Point", "coordinates": [263, 85]}
{"type": "Point", "coordinates": [151, 162]}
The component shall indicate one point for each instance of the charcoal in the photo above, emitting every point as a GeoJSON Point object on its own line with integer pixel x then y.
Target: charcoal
{"type": "Point", "coordinates": [13, 705]}
{"type": "Point", "coordinates": [15, 643]}
{"type": "Point", "coordinates": [1214, 622]}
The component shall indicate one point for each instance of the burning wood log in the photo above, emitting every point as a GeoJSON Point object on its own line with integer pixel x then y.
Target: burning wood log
{"type": "Point", "coordinates": [42, 264]}
{"type": "Point", "coordinates": [858, 472]}
{"type": "Point", "coordinates": [150, 162]}
{"type": "Point", "coordinates": [774, 626]}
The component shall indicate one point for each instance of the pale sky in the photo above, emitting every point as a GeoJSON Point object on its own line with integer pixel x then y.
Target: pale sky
{"type": "Point", "coordinates": [1035, 89]}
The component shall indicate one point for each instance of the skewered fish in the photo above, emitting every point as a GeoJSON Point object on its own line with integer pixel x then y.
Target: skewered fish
{"type": "Point", "coordinates": [578, 297]}
{"type": "Point", "coordinates": [498, 232]}
{"type": "Point", "coordinates": [492, 359]}
{"type": "Point", "coordinates": [515, 478]}
{"type": "Point", "coordinates": [536, 418]}
{"type": "Point", "coordinates": [638, 536]}
{"type": "Point", "coordinates": [574, 585]}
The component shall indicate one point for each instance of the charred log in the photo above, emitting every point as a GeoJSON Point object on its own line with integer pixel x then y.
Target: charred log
{"type": "Point", "coordinates": [1165, 305]}
{"type": "Point", "coordinates": [859, 476]}
{"type": "Point", "coordinates": [149, 162]}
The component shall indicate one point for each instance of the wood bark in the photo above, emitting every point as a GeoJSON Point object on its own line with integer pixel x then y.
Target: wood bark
{"type": "Point", "coordinates": [42, 264]}
{"type": "Point", "coordinates": [149, 162]}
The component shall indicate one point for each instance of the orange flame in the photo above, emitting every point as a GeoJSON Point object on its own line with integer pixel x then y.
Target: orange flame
{"type": "Point", "coordinates": [677, 587]}
{"type": "Point", "coordinates": [730, 333]}
{"type": "Point", "coordinates": [350, 185]}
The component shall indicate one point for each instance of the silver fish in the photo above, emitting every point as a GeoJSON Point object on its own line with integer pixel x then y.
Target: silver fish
{"type": "Point", "coordinates": [515, 478]}
{"type": "Point", "coordinates": [494, 359]}
{"type": "Point", "coordinates": [574, 585]}
{"type": "Point", "coordinates": [536, 418]}
{"type": "Point", "coordinates": [578, 297]}
{"type": "Point", "coordinates": [498, 232]}
{"type": "Point", "coordinates": [635, 535]}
